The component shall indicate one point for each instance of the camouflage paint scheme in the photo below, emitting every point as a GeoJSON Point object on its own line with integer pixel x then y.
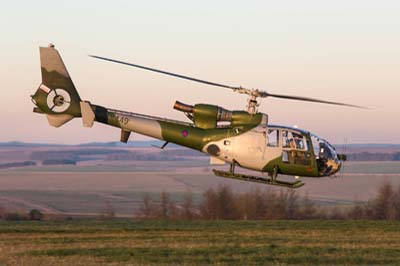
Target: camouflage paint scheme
{"type": "Point", "coordinates": [244, 141]}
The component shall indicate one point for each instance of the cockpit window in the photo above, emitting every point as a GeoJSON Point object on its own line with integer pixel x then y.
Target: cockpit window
{"type": "Point", "coordinates": [322, 148]}
{"type": "Point", "coordinates": [273, 138]}
{"type": "Point", "coordinates": [326, 156]}
{"type": "Point", "coordinates": [315, 142]}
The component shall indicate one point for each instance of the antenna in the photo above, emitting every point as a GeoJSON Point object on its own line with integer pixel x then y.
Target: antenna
{"type": "Point", "coordinates": [344, 148]}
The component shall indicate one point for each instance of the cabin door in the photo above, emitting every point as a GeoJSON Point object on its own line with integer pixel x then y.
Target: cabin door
{"type": "Point", "coordinates": [295, 149]}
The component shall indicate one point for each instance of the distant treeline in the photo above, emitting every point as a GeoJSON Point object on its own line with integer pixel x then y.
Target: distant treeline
{"type": "Point", "coordinates": [164, 155]}
{"type": "Point", "coordinates": [58, 162]}
{"type": "Point", "coordinates": [223, 203]}
{"type": "Point", "coordinates": [17, 164]}
{"type": "Point", "coordinates": [370, 156]}
{"type": "Point", "coordinates": [137, 156]}
{"type": "Point", "coordinates": [73, 155]}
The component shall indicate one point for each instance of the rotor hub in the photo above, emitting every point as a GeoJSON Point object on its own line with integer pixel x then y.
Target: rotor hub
{"type": "Point", "coordinates": [252, 104]}
{"type": "Point", "coordinates": [58, 100]}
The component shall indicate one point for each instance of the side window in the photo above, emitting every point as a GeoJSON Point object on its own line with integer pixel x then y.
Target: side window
{"type": "Point", "coordinates": [286, 138]}
{"type": "Point", "coordinates": [273, 138]}
{"type": "Point", "coordinates": [300, 142]}
{"type": "Point", "coordinates": [293, 141]}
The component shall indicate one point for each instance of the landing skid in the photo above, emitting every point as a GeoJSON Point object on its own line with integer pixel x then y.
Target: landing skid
{"type": "Point", "coordinates": [257, 179]}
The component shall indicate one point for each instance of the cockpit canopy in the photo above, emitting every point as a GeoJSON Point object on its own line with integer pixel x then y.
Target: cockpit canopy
{"type": "Point", "coordinates": [326, 156]}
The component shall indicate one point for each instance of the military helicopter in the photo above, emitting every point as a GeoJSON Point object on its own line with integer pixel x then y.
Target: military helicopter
{"type": "Point", "coordinates": [241, 138]}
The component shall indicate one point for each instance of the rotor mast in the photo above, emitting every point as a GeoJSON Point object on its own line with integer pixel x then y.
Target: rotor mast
{"type": "Point", "coordinates": [252, 103]}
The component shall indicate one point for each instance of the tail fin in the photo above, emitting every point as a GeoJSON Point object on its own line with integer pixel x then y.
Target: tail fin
{"type": "Point", "coordinates": [56, 95]}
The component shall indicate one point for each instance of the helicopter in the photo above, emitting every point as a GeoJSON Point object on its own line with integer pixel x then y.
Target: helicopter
{"type": "Point", "coordinates": [241, 138]}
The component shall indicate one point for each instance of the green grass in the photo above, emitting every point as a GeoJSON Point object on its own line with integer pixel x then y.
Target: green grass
{"type": "Point", "coordinates": [125, 242]}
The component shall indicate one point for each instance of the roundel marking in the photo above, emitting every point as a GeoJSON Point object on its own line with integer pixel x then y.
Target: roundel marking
{"type": "Point", "coordinates": [184, 133]}
{"type": "Point", "coordinates": [58, 100]}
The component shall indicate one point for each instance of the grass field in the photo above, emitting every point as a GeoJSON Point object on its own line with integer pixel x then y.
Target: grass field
{"type": "Point", "coordinates": [125, 242]}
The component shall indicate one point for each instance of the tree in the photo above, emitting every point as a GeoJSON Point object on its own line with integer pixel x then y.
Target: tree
{"type": "Point", "coordinates": [227, 208]}
{"type": "Point", "coordinates": [35, 215]}
{"type": "Point", "coordinates": [164, 206]}
{"type": "Point", "coordinates": [336, 214]}
{"type": "Point", "coordinates": [188, 208]}
{"type": "Point", "coordinates": [357, 212]}
{"type": "Point", "coordinates": [308, 209]}
{"type": "Point", "coordinates": [275, 205]}
{"type": "Point", "coordinates": [252, 205]}
{"type": "Point", "coordinates": [173, 210]}
{"type": "Point", "coordinates": [219, 203]}
{"type": "Point", "coordinates": [108, 211]}
{"type": "Point", "coordinates": [396, 203]}
{"type": "Point", "coordinates": [208, 208]}
{"type": "Point", "coordinates": [383, 205]}
{"type": "Point", "coordinates": [148, 209]}
{"type": "Point", "coordinates": [246, 207]}
{"type": "Point", "coordinates": [290, 200]}
{"type": "Point", "coordinates": [2, 213]}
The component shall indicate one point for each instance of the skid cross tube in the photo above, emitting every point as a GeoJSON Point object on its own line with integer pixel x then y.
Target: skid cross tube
{"type": "Point", "coordinates": [257, 179]}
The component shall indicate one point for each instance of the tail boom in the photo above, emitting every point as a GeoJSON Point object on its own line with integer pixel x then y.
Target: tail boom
{"type": "Point", "coordinates": [59, 100]}
{"type": "Point", "coordinates": [156, 127]}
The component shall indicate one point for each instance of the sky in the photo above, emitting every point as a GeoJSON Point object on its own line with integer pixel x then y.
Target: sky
{"type": "Point", "coordinates": [347, 51]}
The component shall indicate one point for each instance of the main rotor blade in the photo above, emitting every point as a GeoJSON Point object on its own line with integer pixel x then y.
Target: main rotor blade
{"type": "Point", "coordinates": [166, 73]}
{"type": "Point", "coordinates": [306, 99]}
{"type": "Point", "coordinates": [239, 89]}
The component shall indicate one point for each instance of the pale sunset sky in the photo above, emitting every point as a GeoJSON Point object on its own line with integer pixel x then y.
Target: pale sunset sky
{"type": "Point", "coordinates": [346, 51]}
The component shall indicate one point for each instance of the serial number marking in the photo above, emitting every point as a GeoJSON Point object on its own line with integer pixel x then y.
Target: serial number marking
{"type": "Point", "coordinates": [122, 120]}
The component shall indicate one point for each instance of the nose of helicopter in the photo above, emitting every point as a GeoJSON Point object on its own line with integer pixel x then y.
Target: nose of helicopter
{"type": "Point", "coordinates": [336, 165]}
{"type": "Point", "coordinates": [336, 160]}
{"type": "Point", "coordinates": [329, 162]}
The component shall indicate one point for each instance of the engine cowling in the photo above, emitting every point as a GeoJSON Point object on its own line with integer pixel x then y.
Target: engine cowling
{"type": "Point", "coordinates": [207, 116]}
